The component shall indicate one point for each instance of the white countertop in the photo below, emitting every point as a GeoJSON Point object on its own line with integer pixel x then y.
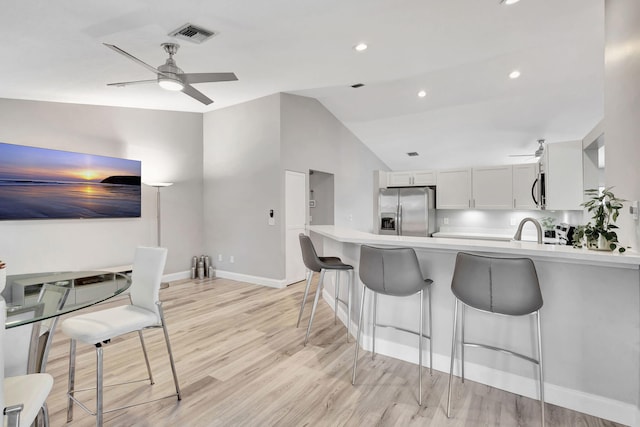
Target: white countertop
{"type": "Point", "coordinates": [561, 253]}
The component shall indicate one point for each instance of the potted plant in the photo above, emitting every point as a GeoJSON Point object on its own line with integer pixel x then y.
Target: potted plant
{"type": "Point", "coordinates": [600, 235]}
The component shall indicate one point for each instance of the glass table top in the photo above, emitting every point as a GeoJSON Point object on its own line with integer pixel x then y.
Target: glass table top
{"type": "Point", "coordinates": [39, 296]}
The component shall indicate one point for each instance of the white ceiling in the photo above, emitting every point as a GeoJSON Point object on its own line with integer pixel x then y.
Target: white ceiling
{"type": "Point", "coordinates": [459, 51]}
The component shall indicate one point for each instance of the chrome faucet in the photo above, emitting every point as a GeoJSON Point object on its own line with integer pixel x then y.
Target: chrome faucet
{"type": "Point", "coordinates": [518, 235]}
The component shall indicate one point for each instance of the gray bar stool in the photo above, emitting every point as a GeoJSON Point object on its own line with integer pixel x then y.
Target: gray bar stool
{"type": "Point", "coordinates": [395, 272]}
{"type": "Point", "coordinates": [321, 265]}
{"type": "Point", "coordinates": [505, 286]}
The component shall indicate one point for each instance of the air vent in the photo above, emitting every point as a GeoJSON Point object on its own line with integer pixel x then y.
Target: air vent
{"type": "Point", "coordinates": [192, 33]}
{"type": "Point", "coordinates": [357, 85]}
{"type": "Point", "coordinates": [413, 154]}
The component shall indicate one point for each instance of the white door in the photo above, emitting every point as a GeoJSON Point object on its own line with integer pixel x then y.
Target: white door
{"type": "Point", "coordinates": [295, 215]}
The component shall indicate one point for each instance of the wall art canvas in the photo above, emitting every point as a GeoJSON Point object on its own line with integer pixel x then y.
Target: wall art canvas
{"type": "Point", "coordinates": [38, 183]}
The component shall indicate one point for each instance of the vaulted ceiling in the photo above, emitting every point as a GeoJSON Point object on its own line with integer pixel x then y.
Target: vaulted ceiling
{"type": "Point", "coordinates": [460, 52]}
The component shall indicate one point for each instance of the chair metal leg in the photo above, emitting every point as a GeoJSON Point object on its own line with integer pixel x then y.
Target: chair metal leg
{"type": "Point", "coordinates": [540, 370]}
{"type": "Point", "coordinates": [336, 297]}
{"type": "Point", "coordinates": [462, 342]}
{"type": "Point", "coordinates": [375, 322]}
{"type": "Point", "coordinates": [421, 339]}
{"type": "Point", "coordinates": [44, 414]}
{"type": "Point", "coordinates": [349, 285]}
{"type": "Point", "coordinates": [360, 325]}
{"type": "Point", "coordinates": [315, 304]}
{"type": "Point", "coordinates": [99, 386]}
{"type": "Point", "coordinates": [72, 380]}
{"type": "Point", "coordinates": [453, 354]}
{"type": "Point", "coordinates": [146, 357]}
{"type": "Point", "coordinates": [171, 361]}
{"type": "Point", "coordinates": [304, 299]}
{"type": "Point", "coordinates": [430, 333]}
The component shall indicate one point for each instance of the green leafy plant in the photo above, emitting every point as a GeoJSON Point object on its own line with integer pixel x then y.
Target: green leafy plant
{"type": "Point", "coordinates": [547, 222]}
{"type": "Point", "coordinates": [605, 208]}
{"type": "Point", "coordinates": [2, 264]}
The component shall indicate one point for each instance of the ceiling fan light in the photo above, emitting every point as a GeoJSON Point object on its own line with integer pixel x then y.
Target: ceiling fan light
{"type": "Point", "coordinates": [170, 84]}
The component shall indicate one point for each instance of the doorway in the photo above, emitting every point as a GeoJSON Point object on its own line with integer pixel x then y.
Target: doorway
{"type": "Point", "coordinates": [321, 202]}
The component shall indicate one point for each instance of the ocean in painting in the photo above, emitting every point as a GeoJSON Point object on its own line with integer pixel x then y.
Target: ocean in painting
{"type": "Point", "coordinates": [50, 199]}
{"type": "Point", "coordinates": [40, 183]}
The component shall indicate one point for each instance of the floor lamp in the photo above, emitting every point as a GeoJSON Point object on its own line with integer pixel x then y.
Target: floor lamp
{"type": "Point", "coordinates": [158, 186]}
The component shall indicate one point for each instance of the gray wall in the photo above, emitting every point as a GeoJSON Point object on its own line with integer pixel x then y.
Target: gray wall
{"type": "Point", "coordinates": [247, 148]}
{"type": "Point", "coordinates": [243, 180]}
{"type": "Point", "coordinates": [622, 108]}
{"type": "Point", "coordinates": [170, 147]}
{"type": "Point", "coordinates": [312, 138]}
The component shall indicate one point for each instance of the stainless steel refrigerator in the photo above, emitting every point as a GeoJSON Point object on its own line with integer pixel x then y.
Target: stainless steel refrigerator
{"type": "Point", "coordinates": [407, 211]}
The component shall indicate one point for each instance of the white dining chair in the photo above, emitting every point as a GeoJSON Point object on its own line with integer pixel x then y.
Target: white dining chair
{"type": "Point", "coordinates": [98, 328]}
{"type": "Point", "coordinates": [23, 396]}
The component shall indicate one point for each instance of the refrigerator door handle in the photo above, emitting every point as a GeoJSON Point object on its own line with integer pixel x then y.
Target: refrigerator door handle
{"type": "Point", "coordinates": [400, 219]}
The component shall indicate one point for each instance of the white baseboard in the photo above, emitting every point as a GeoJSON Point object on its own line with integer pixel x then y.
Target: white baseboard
{"type": "Point", "coordinates": [602, 407]}
{"type": "Point", "coordinates": [176, 276]}
{"type": "Point", "coordinates": [272, 283]}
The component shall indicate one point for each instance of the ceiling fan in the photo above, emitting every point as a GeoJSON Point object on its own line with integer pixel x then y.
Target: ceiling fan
{"type": "Point", "coordinates": [538, 153]}
{"type": "Point", "coordinates": [171, 77]}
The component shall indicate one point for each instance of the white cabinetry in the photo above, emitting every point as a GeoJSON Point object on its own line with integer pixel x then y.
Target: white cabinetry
{"type": "Point", "coordinates": [524, 177]}
{"type": "Point", "coordinates": [453, 190]}
{"type": "Point", "coordinates": [562, 166]}
{"type": "Point", "coordinates": [492, 187]}
{"type": "Point", "coordinates": [411, 179]}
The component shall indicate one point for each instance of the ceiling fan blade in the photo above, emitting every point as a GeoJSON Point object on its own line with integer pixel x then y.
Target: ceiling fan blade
{"type": "Point", "coordinates": [521, 155]}
{"type": "Point", "coordinates": [123, 84]}
{"type": "Point", "coordinates": [131, 57]}
{"type": "Point", "coordinates": [190, 78]}
{"type": "Point", "coordinates": [196, 94]}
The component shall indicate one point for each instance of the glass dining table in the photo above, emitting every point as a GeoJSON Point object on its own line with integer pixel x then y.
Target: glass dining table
{"type": "Point", "coordinates": [35, 302]}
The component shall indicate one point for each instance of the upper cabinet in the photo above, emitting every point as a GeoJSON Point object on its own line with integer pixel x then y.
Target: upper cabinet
{"type": "Point", "coordinates": [562, 166]}
{"type": "Point", "coordinates": [525, 180]}
{"type": "Point", "coordinates": [411, 179]}
{"type": "Point", "coordinates": [506, 186]}
{"type": "Point", "coordinates": [492, 187]}
{"type": "Point", "coordinates": [453, 189]}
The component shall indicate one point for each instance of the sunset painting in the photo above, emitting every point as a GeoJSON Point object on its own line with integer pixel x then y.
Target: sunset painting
{"type": "Point", "coordinates": [37, 183]}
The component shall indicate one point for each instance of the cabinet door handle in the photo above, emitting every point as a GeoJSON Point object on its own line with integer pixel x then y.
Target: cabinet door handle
{"type": "Point", "coordinates": [514, 203]}
{"type": "Point", "coordinates": [469, 203]}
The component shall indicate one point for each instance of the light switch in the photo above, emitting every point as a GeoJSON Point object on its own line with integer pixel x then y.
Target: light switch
{"type": "Point", "coordinates": [633, 209]}
{"type": "Point", "coordinates": [271, 220]}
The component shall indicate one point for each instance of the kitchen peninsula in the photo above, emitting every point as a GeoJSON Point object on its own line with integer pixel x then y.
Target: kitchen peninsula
{"type": "Point", "coordinates": [590, 320]}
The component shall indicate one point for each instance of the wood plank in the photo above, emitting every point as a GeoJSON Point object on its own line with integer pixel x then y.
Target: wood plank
{"type": "Point", "coordinates": [241, 361]}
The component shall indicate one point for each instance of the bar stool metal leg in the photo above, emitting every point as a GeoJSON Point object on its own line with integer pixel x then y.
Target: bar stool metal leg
{"type": "Point", "coordinates": [454, 337]}
{"type": "Point", "coordinates": [430, 332]}
{"type": "Point", "coordinates": [462, 310]}
{"type": "Point", "coordinates": [306, 293]}
{"type": "Point", "coordinates": [315, 304]}
{"type": "Point", "coordinates": [421, 339]}
{"type": "Point", "coordinates": [540, 366]}
{"type": "Point", "coordinates": [337, 297]}
{"type": "Point", "coordinates": [375, 322]}
{"type": "Point", "coordinates": [360, 325]}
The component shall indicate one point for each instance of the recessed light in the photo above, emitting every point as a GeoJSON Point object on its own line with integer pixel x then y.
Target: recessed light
{"type": "Point", "coordinates": [360, 47]}
{"type": "Point", "coordinates": [514, 74]}
{"type": "Point", "coordinates": [422, 94]}
{"type": "Point", "coordinates": [509, 2]}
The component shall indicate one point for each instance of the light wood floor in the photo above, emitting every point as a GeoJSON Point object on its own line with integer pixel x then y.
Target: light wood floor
{"type": "Point", "coordinates": [241, 362]}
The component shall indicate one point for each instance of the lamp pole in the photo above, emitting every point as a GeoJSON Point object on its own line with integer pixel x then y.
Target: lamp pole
{"type": "Point", "coordinates": [159, 185]}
